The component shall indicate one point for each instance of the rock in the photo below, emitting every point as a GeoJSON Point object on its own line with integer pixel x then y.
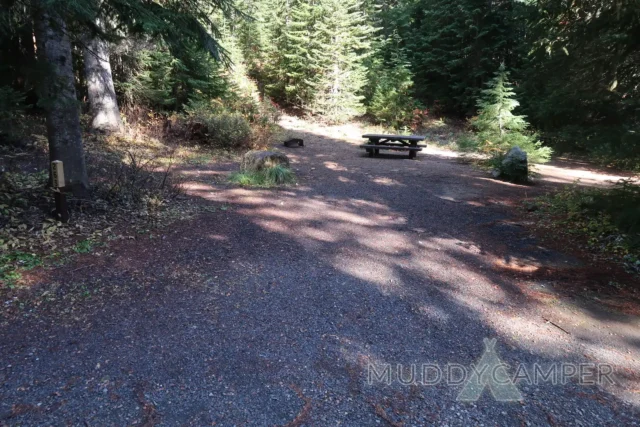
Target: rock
{"type": "Point", "coordinates": [256, 160]}
{"type": "Point", "coordinates": [294, 142]}
{"type": "Point", "coordinates": [515, 166]}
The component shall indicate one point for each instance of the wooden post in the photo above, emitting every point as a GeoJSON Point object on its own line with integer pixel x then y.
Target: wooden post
{"type": "Point", "coordinates": [57, 180]}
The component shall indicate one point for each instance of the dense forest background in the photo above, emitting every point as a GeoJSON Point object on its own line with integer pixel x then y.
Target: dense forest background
{"type": "Point", "coordinates": [574, 64]}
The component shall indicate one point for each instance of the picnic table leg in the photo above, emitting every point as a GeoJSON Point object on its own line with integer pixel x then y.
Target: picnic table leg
{"type": "Point", "coordinates": [377, 151]}
{"type": "Point", "coordinates": [373, 151]}
{"type": "Point", "coordinates": [412, 153]}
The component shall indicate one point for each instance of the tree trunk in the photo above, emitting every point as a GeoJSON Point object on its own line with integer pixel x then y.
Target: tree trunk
{"type": "Point", "coordinates": [59, 100]}
{"type": "Point", "coordinates": [105, 115]}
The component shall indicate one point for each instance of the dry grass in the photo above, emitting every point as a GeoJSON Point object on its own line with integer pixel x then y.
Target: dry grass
{"type": "Point", "coordinates": [135, 189]}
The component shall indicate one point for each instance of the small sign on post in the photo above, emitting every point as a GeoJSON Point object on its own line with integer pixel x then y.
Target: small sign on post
{"type": "Point", "coordinates": [57, 180]}
{"type": "Point", "coordinates": [57, 173]}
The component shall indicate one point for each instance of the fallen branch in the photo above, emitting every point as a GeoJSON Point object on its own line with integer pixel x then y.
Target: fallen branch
{"type": "Point", "coordinates": [304, 412]}
{"type": "Point", "coordinates": [559, 327]}
{"type": "Point", "coordinates": [380, 412]}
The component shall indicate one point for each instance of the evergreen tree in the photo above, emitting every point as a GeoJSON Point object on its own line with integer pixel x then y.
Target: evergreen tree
{"type": "Point", "coordinates": [454, 46]}
{"type": "Point", "coordinates": [253, 38]}
{"type": "Point", "coordinates": [305, 44]}
{"type": "Point", "coordinates": [392, 102]}
{"type": "Point", "coordinates": [498, 128]}
{"type": "Point", "coordinates": [275, 26]}
{"type": "Point", "coordinates": [581, 81]}
{"type": "Point", "coordinates": [59, 98]}
{"type": "Point", "coordinates": [389, 93]}
{"type": "Point", "coordinates": [166, 82]}
{"type": "Point", "coordinates": [345, 34]}
{"type": "Point", "coordinates": [496, 107]}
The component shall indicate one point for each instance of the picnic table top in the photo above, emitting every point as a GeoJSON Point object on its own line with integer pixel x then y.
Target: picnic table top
{"type": "Point", "coordinates": [396, 137]}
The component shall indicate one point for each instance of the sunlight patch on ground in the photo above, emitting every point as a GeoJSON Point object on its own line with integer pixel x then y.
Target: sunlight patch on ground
{"type": "Point", "coordinates": [386, 181]}
{"type": "Point", "coordinates": [566, 175]}
{"type": "Point", "coordinates": [372, 242]}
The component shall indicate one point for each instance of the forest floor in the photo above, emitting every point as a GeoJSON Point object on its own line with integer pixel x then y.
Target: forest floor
{"type": "Point", "coordinates": [269, 306]}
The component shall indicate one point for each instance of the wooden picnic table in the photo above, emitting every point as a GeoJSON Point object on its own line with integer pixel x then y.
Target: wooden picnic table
{"type": "Point", "coordinates": [379, 142]}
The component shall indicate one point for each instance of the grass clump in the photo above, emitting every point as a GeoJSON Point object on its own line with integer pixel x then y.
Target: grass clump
{"type": "Point", "coordinates": [12, 263]}
{"type": "Point", "coordinates": [608, 219]}
{"type": "Point", "coordinates": [269, 177]}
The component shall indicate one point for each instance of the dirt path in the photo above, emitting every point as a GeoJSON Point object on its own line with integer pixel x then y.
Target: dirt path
{"type": "Point", "coordinates": [269, 309]}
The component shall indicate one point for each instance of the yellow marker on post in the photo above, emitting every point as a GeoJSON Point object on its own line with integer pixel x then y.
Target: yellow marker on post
{"type": "Point", "coordinates": [57, 181]}
{"type": "Point", "coordinates": [57, 173]}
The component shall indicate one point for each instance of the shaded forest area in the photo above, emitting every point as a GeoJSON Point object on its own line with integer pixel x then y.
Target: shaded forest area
{"type": "Point", "coordinates": [574, 64]}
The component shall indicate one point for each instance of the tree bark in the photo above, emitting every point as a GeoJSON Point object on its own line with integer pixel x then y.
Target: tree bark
{"type": "Point", "coordinates": [105, 115]}
{"type": "Point", "coordinates": [59, 99]}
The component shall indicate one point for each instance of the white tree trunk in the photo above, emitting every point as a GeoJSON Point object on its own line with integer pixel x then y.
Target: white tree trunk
{"type": "Point", "coordinates": [59, 98]}
{"type": "Point", "coordinates": [105, 115]}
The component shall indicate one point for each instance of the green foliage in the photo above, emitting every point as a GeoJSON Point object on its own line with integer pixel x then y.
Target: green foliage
{"type": "Point", "coordinates": [217, 128]}
{"type": "Point", "coordinates": [303, 43]}
{"type": "Point", "coordinates": [312, 54]}
{"type": "Point", "coordinates": [498, 129]}
{"type": "Point", "coordinates": [11, 106]}
{"type": "Point", "coordinates": [496, 107]}
{"type": "Point", "coordinates": [83, 246]}
{"type": "Point", "coordinates": [453, 46]}
{"type": "Point", "coordinates": [581, 85]}
{"type": "Point", "coordinates": [268, 177]}
{"type": "Point", "coordinates": [575, 64]}
{"type": "Point", "coordinates": [392, 103]}
{"type": "Point", "coordinates": [12, 263]}
{"type": "Point", "coordinates": [166, 81]}
{"type": "Point", "coordinates": [345, 35]}
{"type": "Point", "coordinates": [608, 219]}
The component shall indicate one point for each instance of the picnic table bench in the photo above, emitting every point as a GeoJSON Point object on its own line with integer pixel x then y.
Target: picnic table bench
{"type": "Point", "coordinates": [379, 142]}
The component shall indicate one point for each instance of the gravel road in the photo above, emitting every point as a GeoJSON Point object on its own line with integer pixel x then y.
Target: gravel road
{"type": "Point", "coordinates": [271, 308]}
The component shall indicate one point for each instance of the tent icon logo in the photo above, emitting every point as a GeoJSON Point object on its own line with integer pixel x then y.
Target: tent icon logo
{"type": "Point", "coordinates": [490, 372]}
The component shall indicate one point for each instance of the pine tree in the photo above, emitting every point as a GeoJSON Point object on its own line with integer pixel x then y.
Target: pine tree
{"type": "Point", "coordinates": [581, 81]}
{"type": "Point", "coordinates": [497, 105]}
{"type": "Point", "coordinates": [252, 38]}
{"type": "Point", "coordinates": [499, 129]}
{"type": "Point", "coordinates": [303, 42]}
{"type": "Point", "coordinates": [275, 24]}
{"type": "Point", "coordinates": [345, 34]}
{"type": "Point", "coordinates": [59, 98]}
{"type": "Point", "coordinates": [454, 46]}
{"type": "Point", "coordinates": [389, 91]}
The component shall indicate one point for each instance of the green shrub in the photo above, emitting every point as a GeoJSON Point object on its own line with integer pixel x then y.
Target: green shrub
{"type": "Point", "coordinates": [495, 146]}
{"type": "Point", "coordinates": [11, 265]}
{"type": "Point", "coordinates": [228, 130]}
{"type": "Point", "coordinates": [261, 113]}
{"type": "Point", "coordinates": [213, 125]}
{"type": "Point", "coordinates": [269, 177]}
{"type": "Point", "coordinates": [392, 103]}
{"type": "Point", "coordinates": [609, 218]}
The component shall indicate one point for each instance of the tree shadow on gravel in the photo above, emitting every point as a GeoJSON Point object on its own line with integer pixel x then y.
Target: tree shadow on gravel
{"type": "Point", "coordinates": [269, 309]}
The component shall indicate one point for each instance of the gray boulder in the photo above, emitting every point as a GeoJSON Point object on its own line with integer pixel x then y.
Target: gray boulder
{"type": "Point", "coordinates": [256, 160]}
{"type": "Point", "coordinates": [514, 167]}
